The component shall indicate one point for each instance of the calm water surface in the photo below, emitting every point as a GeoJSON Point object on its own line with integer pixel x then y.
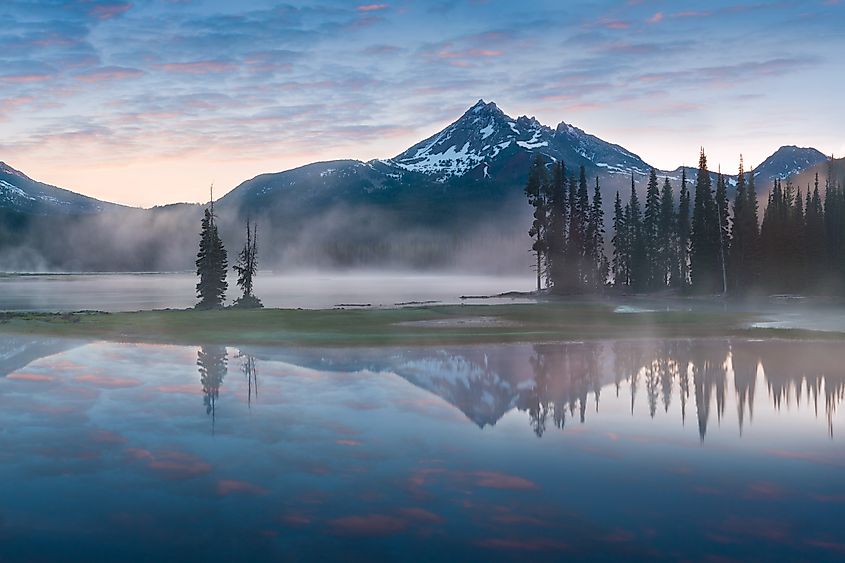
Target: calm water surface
{"type": "Point", "coordinates": [615, 450]}
{"type": "Point", "coordinates": [133, 292]}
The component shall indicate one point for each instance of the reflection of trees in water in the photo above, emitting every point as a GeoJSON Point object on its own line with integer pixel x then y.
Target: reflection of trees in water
{"type": "Point", "coordinates": [213, 365]}
{"type": "Point", "coordinates": [811, 370]}
{"type": "Point", "coordinates": [251, 374]}
{"type": "Point", "coordinates": [566, 373]}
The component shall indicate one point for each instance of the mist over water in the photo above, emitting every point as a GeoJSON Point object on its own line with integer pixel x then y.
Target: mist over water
{"type": "Point", "coordinates": [133, 292]}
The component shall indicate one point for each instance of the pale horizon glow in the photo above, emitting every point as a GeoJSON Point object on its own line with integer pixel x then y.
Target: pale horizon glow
{"type": "Point", "coordinates": [149, 102]}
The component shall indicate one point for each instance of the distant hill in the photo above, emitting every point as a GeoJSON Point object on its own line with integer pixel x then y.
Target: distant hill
{"type": "Point", "coordinates": [22, 194]}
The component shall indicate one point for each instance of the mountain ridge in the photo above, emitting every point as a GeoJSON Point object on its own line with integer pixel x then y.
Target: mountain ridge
{"type": "Point", "coordinates": [454, 200]}
{"type": "Point", "coordinates": [466, 148]}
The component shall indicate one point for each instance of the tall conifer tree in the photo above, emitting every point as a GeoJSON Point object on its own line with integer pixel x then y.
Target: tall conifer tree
{"type": "Point", "coordinates": [212, 263]}
{"type": "Point", "coordinates": [650, 233]}
{"type": "Point", "coordinates": [666, 236]}
{"type": "Point", "coordinates": [535, 190]}
{"type": "Point", "coordinates": [684, 228]}
{"type": "Point", "coordinates": [704, 238]}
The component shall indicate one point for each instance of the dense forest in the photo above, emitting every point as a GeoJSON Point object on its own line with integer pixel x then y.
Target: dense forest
{"type": "Point", "coordinates": [702, 240]}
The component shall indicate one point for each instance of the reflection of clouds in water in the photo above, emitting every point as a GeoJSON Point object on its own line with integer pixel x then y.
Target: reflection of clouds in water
{"type": "Point", "coordinates": [363, 452]}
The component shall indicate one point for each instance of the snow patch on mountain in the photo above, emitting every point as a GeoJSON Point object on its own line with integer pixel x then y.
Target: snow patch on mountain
{"type": "Point", "coordinates": [11, 192]}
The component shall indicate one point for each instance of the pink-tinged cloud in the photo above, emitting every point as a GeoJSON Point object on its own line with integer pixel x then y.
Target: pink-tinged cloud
{"type": "Point", "coordinates": [615, 24]}
{"type": "Point", "coordinates": [827, 545]}
{"type": "Point", "coordinates": [198, 67]}
{"type": "Point", "coordinates": [810, 457]}
{"type": "Point", "coordinates": [523, 544]}
{"type": "Point", "coordinates": [764, 490]}
{"type": "Point", "coordinates": [107, 381]}
{"type": "Point", "coordinates": [656, 18]}
{"type": "Point", "coordinates": [109, 73]}
{"type": "Point", "coordinates": [179, 389]}
{"type": "Point", "coordinates": [296, 519]}
{"type": "Point", "coordinates": [110, 10]}
{"type": "Point", "coordinates": [368, 525]}
{"type": "Point", "coordinates": [372, 7]}
{"type": "Point", "coordinates": [692, 14]}
{"type": "Point", "coordinates": [468, 53]}
{"type": "Point", "coordinates": [421, 515]}
{"type": "Point", "coordinates": [13, 103]}
{"type": "Point", "coordinates": [226, 487]}
{"type": "Point", "coordinates": [495, 480]}
{"type": "Point", "coordinates": [351, 443]}
{"type": "Point", "coordinates": [26, 376]}
{"type": "Point", "coordinates": [171, 464]}
{"type": "Point", "coordinates": [25, 78]}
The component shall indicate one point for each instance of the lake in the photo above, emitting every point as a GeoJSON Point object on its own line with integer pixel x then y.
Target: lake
{"type": "Point", "coordinates": [659, 449]}
{"type": "Point", "coordinates": [144, 291]}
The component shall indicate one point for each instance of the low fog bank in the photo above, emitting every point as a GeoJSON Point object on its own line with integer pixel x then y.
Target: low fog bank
{"type": "Point", "coordinates": [339, 239]}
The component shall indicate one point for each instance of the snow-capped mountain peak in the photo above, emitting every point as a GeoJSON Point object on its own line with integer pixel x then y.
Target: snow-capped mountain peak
{"type": "Point", "coordinates": [476, 138]}
{"type": "Point", "coordinates": [484, 133]}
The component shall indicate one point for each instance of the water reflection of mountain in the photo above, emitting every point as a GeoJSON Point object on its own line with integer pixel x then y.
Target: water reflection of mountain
{"type": "Point", "coordinates": [17, 352]}
{"type": "Point", "coordinates": [558, 382]}
{"type": "Point", "coordinates": [554, 383]}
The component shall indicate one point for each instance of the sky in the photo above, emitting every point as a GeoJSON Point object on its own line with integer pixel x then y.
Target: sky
{"type": "Point", "coordinates": [148, 102]}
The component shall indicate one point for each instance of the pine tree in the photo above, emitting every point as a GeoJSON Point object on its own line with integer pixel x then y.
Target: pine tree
{"type": "Point", "coordinates": [796, 241]}
{"type": "Point", "coordinates": [815, 236]}
{"type": "Point", "coordinates": [683, 230]}
{"type": "Point", "coordinates": [247, 268]}
{"type": "Point", "coordinates": [704, 238]}
{"type": "Point", "coordinates": [535, 190]}
{"type": "Point", "coordinates": [649, 233]}
{"type": "Point", "coordinates": [667, 242]}
{"type": "Point", "coordinates": [558, 211]}
{"type": "Point", "coordinates": [575, 236]}
{"type": "Point", "coordinates": [212, 264]}
{"type": "Point", "coordinates": [638, 267]}
{"type": "Point", "coordinates": [576, 247]}
{"type": "Point", "coordinates": [597, 262]}
{"type": "Point", "coordinates": [739, 251]}
{"type": "Point", "coordinates": [752, 234]}
{"type": "Point", "coordinates": [619, 241]}
{"type": "Point", "coordinates": [723, 226]}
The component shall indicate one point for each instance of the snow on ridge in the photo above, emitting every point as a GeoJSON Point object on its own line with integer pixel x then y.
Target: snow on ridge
{"type": "Point", "coordinates": [11, 191]}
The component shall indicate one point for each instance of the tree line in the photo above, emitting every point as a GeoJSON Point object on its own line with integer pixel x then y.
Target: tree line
{"type": "Point", "coordinates": [700, 241]}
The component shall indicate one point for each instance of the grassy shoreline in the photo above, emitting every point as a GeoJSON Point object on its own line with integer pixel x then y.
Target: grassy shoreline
{"type": "Point", "coordinates": [408, 326]}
